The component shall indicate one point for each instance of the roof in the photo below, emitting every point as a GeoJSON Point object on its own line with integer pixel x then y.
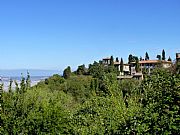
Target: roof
{"type": "Point", "coordinates": [106, 58]}
{"type": "Point", "coordinates": [153, 61]}
{"type": "Point", "coordinates": [137, 74]}
{"type": "Point", "coordinates": [116, 63]}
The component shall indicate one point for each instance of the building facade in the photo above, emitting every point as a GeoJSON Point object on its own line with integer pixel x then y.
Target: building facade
{"type": "Point", "coordinates": [151, 64]}
{"type": "Point", "coordinates": [129, 70]}
{"type": "Point", "coordinates": [177, 57]}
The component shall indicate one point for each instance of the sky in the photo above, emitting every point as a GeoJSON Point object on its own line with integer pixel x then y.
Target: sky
{"type": "Point", "coordinates": [53, 34]}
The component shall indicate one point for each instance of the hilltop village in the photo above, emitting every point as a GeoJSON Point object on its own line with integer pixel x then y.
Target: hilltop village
{"type": "Point", "coordinates": [136, 67]}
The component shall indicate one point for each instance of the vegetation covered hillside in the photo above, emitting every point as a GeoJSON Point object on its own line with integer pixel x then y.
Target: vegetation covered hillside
{"type": "Point", "coordinates": [93, 101]}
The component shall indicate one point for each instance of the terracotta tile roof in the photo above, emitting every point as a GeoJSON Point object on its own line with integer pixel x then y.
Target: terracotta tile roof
{"type": "Point", "coordinates": [153, 61]}
{"type": "Point", "coordinates": [106, 58]}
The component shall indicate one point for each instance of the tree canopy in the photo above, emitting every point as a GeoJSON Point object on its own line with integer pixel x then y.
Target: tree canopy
{"type": "Point", "coordinates": [163, 55]}
{"type": "Point", "coordinates": [67, 72]}
{"type": "Point", "coordinates": [146, 56]}
{"type": "Point", "coordinates": [93, 101]}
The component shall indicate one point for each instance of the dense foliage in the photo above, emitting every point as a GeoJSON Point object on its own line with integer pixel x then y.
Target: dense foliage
{"type": "Point", "coordinates": [94, 103]}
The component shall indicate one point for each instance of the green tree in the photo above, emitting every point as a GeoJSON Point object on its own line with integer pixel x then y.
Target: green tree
{"type": "Point", "coordinates": [135, 58]}
{"type": "Point", "coordinates": [146, 56]}
{"type": "Point", "coordinates": [55, 82]}
{"type": "Point", "coordinates": [117, 59]}
{"type": "Point", "coordinates": [16, 87]}
{"type": "Point", "coordinates": [169, 59]}
{"type": "Point", "coordinates": [122, 65]}
{"type": "Point", "coordinates": [111, 61]}
{"type": "Point", "coordinates": [161, 103]}
{"type": "Point", "coordinates": [163, 55]}
{"type": "Point", "coordinates": [130, 58]}
{"type": "Point", "coordinates": [94, 86]}
{"type": "Point", "coordinates": [79, 88]}
{"type": "Point", "coordinates": [10, 86]}
{"type": "Point", "coordinates": [28, 81]}
{"type": "Point", "coordinates": [1, 106]}
{"type": "Point", "coordinates": [159, 57]}
{"type": "Point", "coordinates": [81, 70]}
{"type": "Point", "coordinates": [100, 62]}
{"type": "Point", "coordinates": [137, 67]}
{"type": "Point", "coordinates": [96, 70]}
{"type": "Point", "coordinates": [67, 72]}
{"type": "Point", "coordinates": [22, 85]}
{"type": "Point", "coordinates": [140, 58]}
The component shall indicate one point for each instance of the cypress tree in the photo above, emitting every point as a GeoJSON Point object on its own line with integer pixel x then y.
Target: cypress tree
{"type": "Point", "coordinates": [169, 59]}
{"type": "Point", "coordinates": [121, 65]}
{"type": "Point", "coordinates": [117, 59]}
{"type": "Point", "coordinates": [146, 56]}
{"type": "Point", "coordinates": [22, 85]}
{"type": "Point", "coordinates": [137, 67]}
{"type": "Point", "coordinates": [140, 59]}
{"type": "Point", "coordinates": [163, 55]}
{"type": "Point", "coordinates": [28, 81]}
{"type": "Point", "coordinates": [112, 61]}
{"type": "Point", "coordinates": [130, 58]}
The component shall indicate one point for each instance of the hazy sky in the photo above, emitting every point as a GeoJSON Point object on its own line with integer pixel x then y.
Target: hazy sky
{"type": "Point", "coordinates": [52, 34]}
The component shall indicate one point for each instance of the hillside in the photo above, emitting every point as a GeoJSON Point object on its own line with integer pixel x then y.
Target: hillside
{"type": "Point", "coordinates": [92, 101]}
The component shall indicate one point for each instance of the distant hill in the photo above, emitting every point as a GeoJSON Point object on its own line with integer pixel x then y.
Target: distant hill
{"type": "Point", "coordinates": [33, 72]}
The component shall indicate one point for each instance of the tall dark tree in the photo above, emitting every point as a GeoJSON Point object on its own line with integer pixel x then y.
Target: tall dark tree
{"type": "Point", "coordinates": [163, 55]}
{"type": "Point", "coordinates": [117, 59]}
{"type": "Point", "coordinates": [16, 86]}
{"type": "Point", "coordinates": [135, 58]}
{"type": "Point", "coordinates": [67, 72]}
{"type": "Point", "coordinates": [22, 84]}
{"type": "Point", "coordinates": [28, 81]}
{"type": "Point", "coordinates": [146, 56]}
{"type": "Point", "coordinates": [137, 67]}
{"type": "Point", "coordinates": [130, 58]}
{"type": "Point", "coordinates": [169, 59]}
{"type": "Point", "coordinates": [140, 58]}
{"type": "Point", "coordinates": [159, 57]}
{"type": "Point", "coordinates": [121, 65]}
{"type": "Point", "coordinates": [100, 62]}
{"type": "Point", "coordinates": [112, 61]}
